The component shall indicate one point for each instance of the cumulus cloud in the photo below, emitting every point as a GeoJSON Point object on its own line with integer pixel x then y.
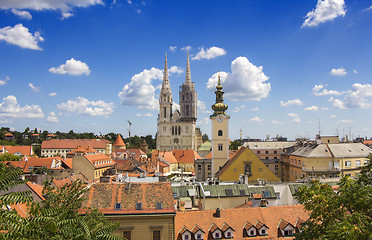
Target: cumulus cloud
{"type": "Point", "coordinates": [4, 81]}
{"type": "Point", "coordinates": [52, 94]}
{"type": "Point", "coordinates": [357, 97]}
{"type": "Point", "coordinates": [317, 91]}
{"type": "Point", "coordinates": [175, 70]}
{"type": "Point", "coordinates": [324, 108]}
{"type": "Point", "coordinates": [237, 109]}
{"type": "Point", "coordinates": [355, 71]}
{"type": "Point", "coordinates": [33, 87]}
{"type": "Point", "coordinates": [83, 106]}
{"type": "Point", "coordinates": [22, 14]}
{"type": "Point", "coordinates": [65, 6]}
{"type": "Point", "coordinates": [52, 118]}
{"type": "Point", "coordinates": [202, 108]}
{"type": "Point", "coordinates": [145, 115]}
{"type": "Point", "coordinates": [245, 82]}
{"type": "Point", "coordinates": [255, 109]}
{"type": "Point", "coordinates": [295, 102]}
{"type": "Point", "coordinates": [10, 110]}
{"type": "Point", "coordinates": [276, 122]}
{"type": "Point", "coordinates": [338, 71]}
{"type": "Point", "coordinates": [325, 10]}
{"type": "Point", "coordinates": [256, 119]}
{"type": "Point", "coordinates": [172, 48]}
{"type": "Point", "coordinates": [140, 91]}
{"type": "Point", "coordinates": [312, 108]}
{"type": "Point", "coordinates": [204, 121]}
{"type": "Point", "coordinates": [187, 48]}
{"type": "Point", "coordinates": [21, 36]}
{"type": "Point", "coordinates": [210, 53]}
{"type": "Point", "coordinates": [72, 67]}
{"type": "Point", "coordinates": [295, 117]}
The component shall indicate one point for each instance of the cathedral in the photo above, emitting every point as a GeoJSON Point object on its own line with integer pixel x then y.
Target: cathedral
{"type": "Point", "coordinates": [177, 130]}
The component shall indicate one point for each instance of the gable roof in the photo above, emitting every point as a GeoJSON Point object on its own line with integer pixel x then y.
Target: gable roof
{"type": "Point", "coordinates": [104, 196]}
{"type": "Point", "coordinates": [238, 218]}
{"type": "Point", "coordinates": [99, 160]}
{"type": "Point", "coordinates": [164, 156]}
{"type": "Point", "coordinates": [74, 143]}
{"type": "Point", "coordinates": [185, 156]}
{"type": "Point", "coordinates": [36, 188]}
{"type": "Point", "coordinates": [24, 150]}
{"type": "Point", "coordinates": [336, 150]}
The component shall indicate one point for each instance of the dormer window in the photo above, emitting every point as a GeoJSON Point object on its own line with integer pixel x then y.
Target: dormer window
{"type": "Point", "coordinates": [288, 233]}
{"type": "Point", "coordinates": [263, 232]}
{"type": "Point", "coordinates": [138, 206]}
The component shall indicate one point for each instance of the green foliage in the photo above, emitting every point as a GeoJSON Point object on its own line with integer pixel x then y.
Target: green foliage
{"type": "Point", "coordinates": [235, 144]}
{"type": "Point", "coordinates": [8, 157]}
{"type": "Point", "coordinates": [205, 137]}
{"type": "Point", "coordinates": [345, 214]}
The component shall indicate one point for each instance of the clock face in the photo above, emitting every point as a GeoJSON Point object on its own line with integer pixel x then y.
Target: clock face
{"type": "Point", "coordinates": [220, 119]}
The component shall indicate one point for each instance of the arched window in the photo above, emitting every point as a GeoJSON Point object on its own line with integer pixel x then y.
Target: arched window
{"type": "Point", "coordinates": [220, 133]}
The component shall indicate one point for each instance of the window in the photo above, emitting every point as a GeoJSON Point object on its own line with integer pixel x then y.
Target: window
{"type": "Point", "coordinates": [347, 163]}
{"type": "Point", "coordinates": [277, 195]}
{"type": "Point", "coordinates": [159, 205]}
{"type": "Point", "coordinates": [288, 233]}
{"type": "Point", "coordinates": [276, 167]}
{"type": "Point", "coordinates": [199, 167]}
{"type": "Point", "coordinates": [138, 206]}
{"type": "Point", "coordinates": [220, 147]}
{"type": "Point", "coordinates": [266, 152]}
{"type": "Point", "coordinates": [198, 236]}
{"type": "Point", "coordinates": [179, 130]}
{"type": "Point", "coordinates": [156, 235]}
{"type": "Point", "coordinates": [127, 235]}
{"type": "Point", "coordinates": [275, 152]}
{"type": "Point", "coordinates": [252, 233]}
{"type": "Point", "coordinates": [263, 232]}
{"type": "Point", "coordinates": [299, 162]}
{"type": "Point", "coordinates": [266, 194]}
{"type": "Point", "coordinates": [187, 237]}
{"type": "Point", "coordinates": [220, 133]}
{"type": "Point", "coordinates": [258, 152]}
{"type": "Point", "coordinates": [165, 111]}
{"type": "Point", "coordinates": [172, 130]}
{"type": "Point", "coordinates": [217, 235]}
{"type": "Point", "coordinates": [229, 192]}
{"type": "Point", "coordinates": [117, 206]}
{"type": "Point", "coordinates": [228, 234]}
{"type": "Point", "coordinates": [357, 163]}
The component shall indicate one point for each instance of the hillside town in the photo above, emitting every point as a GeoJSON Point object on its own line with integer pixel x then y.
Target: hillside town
{"type": "Point", "coordinates": [184, 185]}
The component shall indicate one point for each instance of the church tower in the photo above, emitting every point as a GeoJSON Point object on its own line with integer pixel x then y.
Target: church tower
{"type": "Point", "coordinates": [188, 97]}
{"type": "Point", "coordinates": [220, 131]}
{"type": "Point", "coordinates": [165, 98]}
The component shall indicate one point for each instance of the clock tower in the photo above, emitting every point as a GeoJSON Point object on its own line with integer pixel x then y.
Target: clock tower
{"type": "Point", "coordinates": [220, 131]}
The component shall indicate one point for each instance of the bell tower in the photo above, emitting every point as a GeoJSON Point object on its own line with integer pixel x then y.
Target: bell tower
{"type": "Point", "coordinates": [220, 131]}
{"type": "Point", "coordinates": [165, 98]}
{"type": "Point", "coordinates": [188, 97]}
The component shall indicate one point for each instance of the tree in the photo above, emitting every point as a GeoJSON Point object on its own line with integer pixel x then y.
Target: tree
{"type": "Point", "coordinates": [57, 217]}
{"type": "Point", "coordinates": [205, 137]}
{"type": "Point", "coordinates": [234, 145]}
{"type": "Point", "coordinates": [8, 157]}
{"type": "Point", "coordinates": [342, 214]}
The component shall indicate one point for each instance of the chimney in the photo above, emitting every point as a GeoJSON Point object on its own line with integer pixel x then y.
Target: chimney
{"type": "Point", "coordinates": [218, 213]}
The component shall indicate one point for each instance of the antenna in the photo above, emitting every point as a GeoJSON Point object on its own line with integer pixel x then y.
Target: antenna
{"type": "Point", "coordinates": [130, 124]}
{"type": "Point", "coordinates": [319, 126]}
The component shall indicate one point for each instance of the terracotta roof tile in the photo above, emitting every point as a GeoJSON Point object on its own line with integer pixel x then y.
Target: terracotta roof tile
{"type": "Point", "coordinates": [237, 219]}
{"type": "Point", "coordinates": [119, 141]}
{"type": "Point", "coordinates": [247, 225]}
{"type": "Point", "coordinates": [37, 188]}
{"type": "Point", "coordinates": [282, 224]}
{"type": "Point", "coordinates": [185, 156]}
{"type": "Point", "coordinates": [104, 196]}
{"type": "Point", "coordinates": [163, 155]}
{"type": "Point", "coordinates": [33, 162]}
{"type": "Point", "coordinates": [21, 209]}
{"type": "Point", "coordinates": [24, 150]}
{"type": "Point", "coordinates": [226, 226]}
{"type": "Point", "coordinates": [99, 160]}
{"type": "Point", "coordinates": [74, 143]}
{"type": "Point", "coordinates": [61, 183]}
{"type": "Point", "coordinates": [196, 228]}
{"type": "Point", "coordinates": [67, 162]}
{"type": "Point", "coordinates": [213, 228]}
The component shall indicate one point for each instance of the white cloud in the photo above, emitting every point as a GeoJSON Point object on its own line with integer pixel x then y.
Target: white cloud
{"type": "Point", "coordinates": [187, 48]}
{"type": "Point", "coordinates": [202, 108]}
{"type": "Point", "coordinates": [10, 110]}
{"type": "Point", "coordinates": [33, 87]}
{"type": "Point", "coordinates": [72, 67]}
{"type": "Point", "coordinates": [256, 119]}
{"type": "Point", "coordinates": [175, 107]}
{"type": "Point", "coordinates": [295, 117]}
{"type": "Point", "coordinates": [204, 121]}
{"type": "Point", "coordinates": [145, 115]}
{"type": "Point", "coordinates": [312, 108]}
{"type": "Point", "coordinates": [22, 14]}
{"type": "Point", "coordinates": [368, 9]}
{"type": "Point", "coordinates": [67, 15]}
{"type": "Point", "coordinates": [172, 48]}
{"type": "Point", "coordinates": [245, 82]}
{"type": "Point", "coordinates": [83, 106]}
{"type": "Point", "coordinates": [276, 122]}
{"type": "Point", "coordinates": [52, 94]}
{"type": "Point", "coordinates": [325, 10]}
{"type": "Point", "coordinates": [4, 81]}
{"type": "Point", "coordinates": [52, 118]}
{"type": "Point", "coordinates": [357, 97]}
{"type": "Point", "coordinates": [324, 108]}
{"type": "Point", "coordinates": [325, 92]}
{"type": "Point", "coordinates": [175, 69]}
{"type": "Point", "coordinates": [296, 102]}
{"type": "Point", "coordinates": [140, 91]}
{"type": "Point", "coordinates": [255, 109]}
{"type": "Point", "coordinates": [65, 6]}
{"type": "Point", "coordinates": [346, 121]}
{"type": "Point", "coordinates": [21, 36]}
{"type": "Point", "coordinates": [338, 71]}
{"type": "Point", "coordinates": [355, 71]}
{"type": "Point", "coordinates": [333, 116]}
{"type": "Point", "coordinates": [210, 53]}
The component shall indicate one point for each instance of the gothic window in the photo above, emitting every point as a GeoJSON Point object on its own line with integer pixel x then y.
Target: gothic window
{"type": "Point", "coordinates": [179, 130]}
{"type": "Point", "coordinates": [175, 130]}
{"type": "Point", "coordinates": [187, 110]}
{"type": "Point", "coordinates": [172, 130]}
{"type": "Point", "coordinates": [219, 132]}
{"type": "Point", "coordinates": [165, 111]}
{"type": "Point", "coordinates": [220, 147]}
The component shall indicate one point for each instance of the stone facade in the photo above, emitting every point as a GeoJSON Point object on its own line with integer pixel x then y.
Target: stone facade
{"type": "Point", "coordinates": [177, 130]}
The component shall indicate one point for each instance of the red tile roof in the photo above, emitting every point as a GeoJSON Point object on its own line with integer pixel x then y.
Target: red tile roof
{"type": "Point", "coordinates": [8, 135]}
{"type": "Point", "coordinates": [24, 150]}
{"type": "Point", "coordinates": [104, 196]}
{"type": "Point", "coordinates": [231, 154]}
{"type": "Point", "coordinates": [163, 155]}
{"type": "Point", "coordinates": [61, 183]}
{"type": "Point", "coordinates": [36, 188]}
{"type": "Point", "coordinates": [74, 143]}
{"type": "Point", "coordinates": [238, 218]}
{"type": "Point", "coordinates": [119, 141]}
{"type": "Point", "coordinates": [99, 160]}
{"type": "Point", "coordinates": [67, 162]}
{"type": "Point", "coordinates": [185, 156]}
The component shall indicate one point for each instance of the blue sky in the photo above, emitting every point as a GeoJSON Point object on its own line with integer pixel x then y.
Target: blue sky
{"type": "Point", "coordinates": [287, 67]}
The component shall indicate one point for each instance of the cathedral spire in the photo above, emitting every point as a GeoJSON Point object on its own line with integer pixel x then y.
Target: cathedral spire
{"type": "Point", "coordinates": [165, 77]}
{"type": "Point", "coordinates": [188, 74]}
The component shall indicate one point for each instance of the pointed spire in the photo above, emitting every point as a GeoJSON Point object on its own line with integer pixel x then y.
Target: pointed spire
{"type": "Point", "coordinates": [188, 74]}
{"type": "Point", "coordinates": [165, 77]}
